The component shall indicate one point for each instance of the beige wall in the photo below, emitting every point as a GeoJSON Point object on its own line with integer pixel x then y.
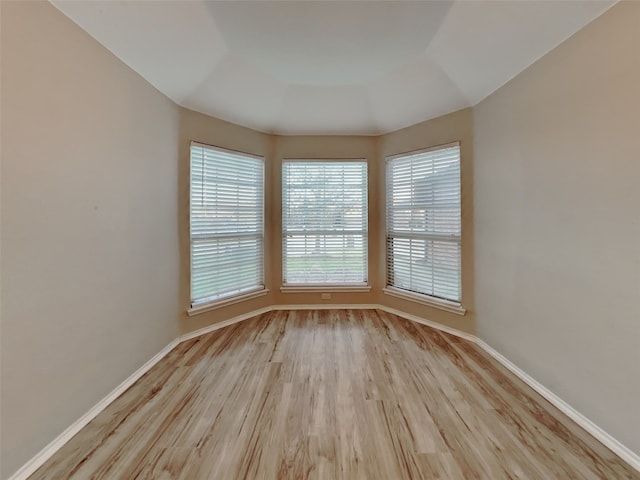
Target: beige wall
{"type": "Point", "coordinates": [89, 225]}
{"type": "Point", "coordinates": [321, 147]}
{"type": "Point", "coordinates": [557, 222]}
{"type": "Point", "coordinates": [457, 126]}
{"type": "Point", "coordinates": [198, 127]}
{"type": "Point", "coordinates": [202, 128]}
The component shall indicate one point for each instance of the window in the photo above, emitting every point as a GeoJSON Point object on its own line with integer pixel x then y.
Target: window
{"type": "Point", "coordinates": [324, 221]}
{"type": "Point", "coordinates": [226, 218]}
{"type": "Point", "coordinates": [423, 222]}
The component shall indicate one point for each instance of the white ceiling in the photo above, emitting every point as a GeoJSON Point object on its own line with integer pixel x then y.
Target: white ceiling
{"type": "Point", "coordinates": [327, 67]}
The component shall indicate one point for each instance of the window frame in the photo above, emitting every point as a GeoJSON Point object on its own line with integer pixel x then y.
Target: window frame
{"type": "Point", "coordinates": [218, 300]}
{"type": "Point", "coordinates": [422, 297]}
{"type": "Point", "coordinates": [287, 287]}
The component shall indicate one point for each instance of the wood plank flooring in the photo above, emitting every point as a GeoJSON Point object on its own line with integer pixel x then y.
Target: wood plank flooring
{"type": "Point", "coordinates": [331, 394]}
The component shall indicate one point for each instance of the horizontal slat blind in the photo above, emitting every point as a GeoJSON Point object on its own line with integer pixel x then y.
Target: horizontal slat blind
{"type": "Point", "coordinates": [324, 221]}
{"type": "Point", "coordinates": [423, 222]}
{"type": "Point", "coordinates": [227, 205]}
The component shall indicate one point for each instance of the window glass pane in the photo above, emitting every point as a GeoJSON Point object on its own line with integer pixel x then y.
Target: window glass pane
{"type": "Point", "coordinates": [226, 219]}
{"type": "Point", "coordinates": [424, 222]}
{"type": "Point", "coordinates": [324, 222]}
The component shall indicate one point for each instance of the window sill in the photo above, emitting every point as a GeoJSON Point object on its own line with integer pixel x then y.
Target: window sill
{"type": "Point", "coordinates": [426, 300]}
{"type": "Point", "coordinates": [212, 305]}
{"type": "Point", "coordinates": [325, 288]}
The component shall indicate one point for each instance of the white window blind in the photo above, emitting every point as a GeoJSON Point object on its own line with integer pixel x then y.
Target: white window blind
{"type": "Point", "coordinates": [324, 221]}
{"type": "Point", "coordinates": [423, 222]}
{"type": "Point", "coordinates": [226, 218]}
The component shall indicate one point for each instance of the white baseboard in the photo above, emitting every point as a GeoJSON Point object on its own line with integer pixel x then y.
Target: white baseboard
{"type": "Point", "coordinates": [255, 313]}
{"type": "Point", "coordinates": [603, 437]}
{"type": "Point", "coordinates": [225, 323]}
{"type": "Point", "coordinates": [614, 445]}
{"type": "Point", "coordinates": [38, 460]}
{"type": "Point", "coordinates": [428, 323]}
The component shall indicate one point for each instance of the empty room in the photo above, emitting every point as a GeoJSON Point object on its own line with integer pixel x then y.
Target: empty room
{"type": "Point", "coordinates": [320, 240]}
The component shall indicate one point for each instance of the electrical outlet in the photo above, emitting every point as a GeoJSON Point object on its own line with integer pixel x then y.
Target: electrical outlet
{"type": "Point", "coordinates": [326, 296]}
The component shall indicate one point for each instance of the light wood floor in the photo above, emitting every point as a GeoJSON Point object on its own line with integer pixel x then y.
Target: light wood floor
{"type": "Point", "coordinates": [335, 394]}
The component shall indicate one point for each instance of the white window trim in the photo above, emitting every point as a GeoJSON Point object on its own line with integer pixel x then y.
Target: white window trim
{"type": "Point", "coordinates": [428, 300]}
{"type": "Point", "coordinates": [207, 306]}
